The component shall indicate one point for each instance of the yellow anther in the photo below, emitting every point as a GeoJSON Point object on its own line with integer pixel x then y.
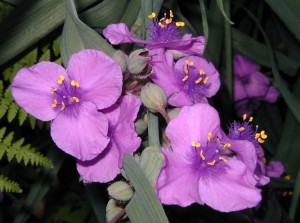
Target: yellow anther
{"type": "Point", "coordinates": [61, 79]}
{"type": "Point", "coordinates": [205, 80]}
{"type": "Point", "coordinates": [53, 105]}
{"type": "Point", "coordinates": [241, 129]}
{"type": "Point", "coordinates": [260, 140]}
{"type": "Point", "coordinates": [152, 15]}
{"type": "Point", "coordinates": [75, 99]}
{"type": "Point", "coordinates": [290, 193]}
{"type": "Point", "coordinates": [74, 83]}
{"type": "Point", "coordinates": [53, 90]}
{"type": "Point", "coordinates": [196, 144]}
{"type": "Point", "coordinates": [212, 163]}
{"type": "Point", "coordinates": [190, 63]}
{"type": "Point", "coordinates": [227, 145]}
{"type": "Point", "coordinates": [185, 69]}
{"type": "Point", "coordinates": [264, 160]}
{"type": "Point", "coordinates": [161, 25]}
{"type": "Point", "coordinates": [284, 193]}
{"type": "Point", "coordinates": [257, 135]}
{"type": "Point", "coordinates": [244, 116]}
{"type": "Point", "coordinates": [168, 21]}
{"type": "Point", "coordinates": [287, 177]}
{"type": "Point", "coordinates": [171, 14]}
{"type": "Point", "coordinates": [251, 119]}
{"type": "Point", "coordinates": [62, 106]}
{"type": "Point", "coordinates": [185, 78]}
{"type": "Point", "coordinates": [162, 19]}
{"type": "Point", "coordinates": [180, 24]}
{"type": "Point", "coordinates": [223, 159]}
{"type": "Point", "coordinates": [263, 135]}
{"type": "Point", "coordinates": [201, 72]}
{"type": "Point", "coordinates": [202, 155]}
{"type": "Point", "coordinates": [209, 136]}
{"type": "Point", "coordinates": [198, 80]}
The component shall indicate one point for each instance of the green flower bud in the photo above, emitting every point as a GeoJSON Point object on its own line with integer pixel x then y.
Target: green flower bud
{"type": "Point", "coordinates": [153, 97]}
{"type": "Point", "coordinates": [137, 61]}
{"type": "Point", "coordinates": [122, 59]}
{"type": "Point", "coordinates": [112, 210]}
{"type": "Point", "coordinates": [120, 191]}
{"type": "Point", "coordinates": [140, 126]}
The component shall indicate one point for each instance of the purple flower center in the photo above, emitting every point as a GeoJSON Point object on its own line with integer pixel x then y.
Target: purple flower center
{"type": "Point", "coordinates": [66, 95]}
{"type": "Point", "coordinates": [192, 78]}
{"type": "Point", "coordinates": [164, 30]}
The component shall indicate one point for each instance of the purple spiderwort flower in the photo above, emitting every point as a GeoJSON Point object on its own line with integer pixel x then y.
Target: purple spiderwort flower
{"type": "Point", "coordinates": [190, 81]}
{"type": "Point", "coordinates": [163, 33]}
{"type": "Point", "coordinates": [275, 169]}
{"type": "Point", "coordinates": [70, 98]}
{"type": "Point", "coordinates": [123, 139]}
{"type": "Point", "coordinates": [201, 165]}
{"type": "Point", "coordinates": [251, 87]}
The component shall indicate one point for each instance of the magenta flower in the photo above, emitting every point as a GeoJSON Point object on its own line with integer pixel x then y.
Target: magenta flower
{"type": "Point", "coordinates": [71, 98]}
{"type": "Point", "coordinates": [200, 164]}
{"type": "Point", "coordinates": [275, 169]}
{"type": "Point", "coordinates": [251, 87]}
{"type": "Point", "coordinates": [123, 139]}
{"type": "Point", "coordinates": [163, 34]}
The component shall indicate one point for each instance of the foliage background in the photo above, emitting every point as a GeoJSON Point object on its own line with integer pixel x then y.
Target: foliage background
{"type": "Point", "coordinates": [266, 31]}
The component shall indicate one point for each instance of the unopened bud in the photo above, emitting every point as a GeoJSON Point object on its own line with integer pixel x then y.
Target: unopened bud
{"type": "Point", "coordinates": [112, 210]}
{"type": "Point", "coordinates": [153, 97]}
{"type": "Point", "coordinates": [138, 60]}
{"type": "Point", "coordinates": [140, 126]}
{"type": "Point", "coordinates": [173, 112]}
{"type": "Point", "coordinates": [120, 191]}
{"type": "Point", "coordinates": [122, 59]}
{"type": "Point", "coordinates": [177, 54]}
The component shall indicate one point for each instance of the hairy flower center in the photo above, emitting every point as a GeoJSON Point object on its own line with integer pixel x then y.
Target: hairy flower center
{"type": "Point", "coordinates": [164, 29]}
{"type": "Point", "coordinates": [65, 95]}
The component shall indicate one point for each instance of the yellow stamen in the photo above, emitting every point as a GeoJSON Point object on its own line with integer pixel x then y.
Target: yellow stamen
{"type": "Point", "coordinates": [201, 155]}
{"type": "Point", "coordinates": [201, 72]}
{"type": "Point", "coordinates": [152, 15]}
{"type": "Point", "coordinates": [61, 79]}
{"type": "Point", "coordinates": [162, 19]}
{"type": "Point", "coordinates": [244, 116]}
{"type": "Point", "coordinates": [190, 63]}
{"type": "Point", "coordinates": [54, 103]}
{"type": "Point", "coordinates": [212, 163]}
{"type": "Point", "coordinates": [196, 144]}
{"type": "Point", "coordinates": [75, 99]}
{"type": "Point", "coordinates": [209, 136]}
{"type": "Point", "coordinates": [290, 193]}
{"type": "Point", "coordinates": [62, 106]}
{"type": "Point", "coordinates": [53, 90]}
{"type": "Point", "coordinates": [287, 177]}
{"type": "Point", "coordinates": [241, 129]}
{"type": "Point", "coordinates": [263, 135]}
{"type": "Point", "coordinates": [205, 80]}
{"type": "Point", "coordinates": [74, 83]}
{"type": "Point", "coordinates": [185, 69]}
{"type": "Point", "coordinates": [168, 21]}
{"type": "Point", "coordinates": [251, 119]}
{"type": "Point", "coordinates": [198, 80]}
{"type": "Point", "coordinates": [171, 14]}
{"type": "Point", "coordinates": [223, 159]}
{"type": "Point", "coordinates": [161, 25]}
{"type": "Point", "coordinates": [180, 24]}
{"type": "Point", "coordinates": [185, 78]}
{"type": "Point", "coordinates": [257, 135]}
{"type": "Point", "coordinates": [260, 140]}
{"type": "Point", "coordinates": [284, 193]}
{"type": "Point", "coordinates": [227, 145]}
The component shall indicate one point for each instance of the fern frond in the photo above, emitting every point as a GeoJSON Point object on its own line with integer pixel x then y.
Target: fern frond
{"type": "Point", "coordinates": [21, 152]}
{"type": "Point", "coordinates": [45, 56]}
{"type": "Point", "coordinates": [7, 185]}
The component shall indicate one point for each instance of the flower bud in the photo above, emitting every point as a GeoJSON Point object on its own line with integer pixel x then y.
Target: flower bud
{"type": "Point", "coordinates": [122, 59]}
{"type": "Point", "coordinates": [140, 126]}
{"type": "Point", "coordinates": [176, 54]}
{"type": "Point", "coordinates": [153, 97]}
{"type": "Point", "coordinates": [137, 61]}
{"type": "Point", "coordinates": [173, 112]}
{"type": "Point", "coordinates": [112, 210]}
{"type": "Point", "coordinates": [120, 191]}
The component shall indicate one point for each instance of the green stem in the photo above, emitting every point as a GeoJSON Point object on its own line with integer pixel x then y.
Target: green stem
{"type": "Point", "coordinates": [295, 198]}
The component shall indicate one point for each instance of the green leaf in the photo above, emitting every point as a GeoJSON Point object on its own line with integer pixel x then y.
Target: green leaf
{"type": "Point", "coordinates": [22, 116]}
{"type": "Point", "coordinates": [221, 7]}
{"type": "Point", "coordinates": [288, 12]}
{"type": "Point", "coordinates": [131, 13]}
{"type": "Point", "coordinates": [204, 20]}
{"type": "Point", "coordinates": [7, 185]}
{"type": "Point", "coordinates": [77, 36]}
{"type": "Point", "coordinates": [150, 208]}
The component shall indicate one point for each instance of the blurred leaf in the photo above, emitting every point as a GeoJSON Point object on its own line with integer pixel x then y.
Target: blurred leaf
{"type": "Point", "coordinates": [222, 9]}
{"type": "Point", "coordinates": [152, 210]}
{"type": "Point", "coordinates": [274, 212]}
{"type": "Point", "coordinates": [204, 20]}
{"type": "Point", "coordinates": [77, 36]}
{"type": "Point", "coordinates": [288, 12]}
{"type": "Point", "coordinates": [296, 197]}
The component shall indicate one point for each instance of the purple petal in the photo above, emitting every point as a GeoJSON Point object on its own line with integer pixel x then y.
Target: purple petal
{"type": "Point", "coordinates": [243, 66]}
{"type": "Point", "coordinates": [119, 33]}
{"type": "Point", "coordinates": [177, 182]}
{"type": "Point", "coordinates": [103, 168]}
{"type": "Point", "coordinates": [83, 136]}
{"type": "Point", "coordinates": [98, 75]}
{"type": "Point", "coordinates": [180, 99]}
{"type": "Point", "coordinates": [32, 86]}
{"type": "Point", "coordinates": [275, 169]}
{"type": "Point", "coordinates": [233, 190]}
{"type": "Point", "coordinates": [258, 85]}
{"type": "Point", "coordinates": [272, 95]}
